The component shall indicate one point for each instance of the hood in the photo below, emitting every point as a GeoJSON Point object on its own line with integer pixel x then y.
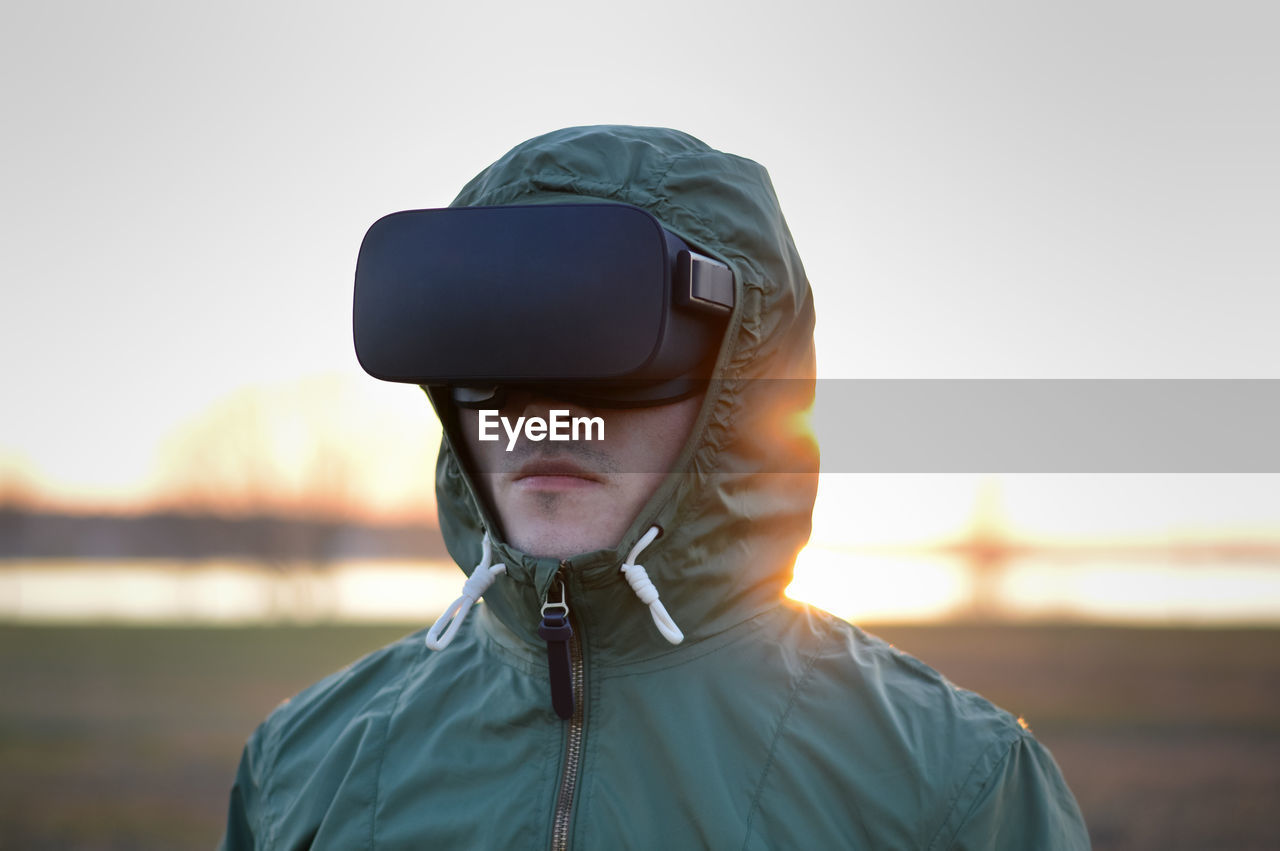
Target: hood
{"type": "Point", "coordinates": [736, 508]}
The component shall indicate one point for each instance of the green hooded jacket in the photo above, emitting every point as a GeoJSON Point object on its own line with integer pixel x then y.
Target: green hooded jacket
{"type": "Point", "coordinates": [772, 725]}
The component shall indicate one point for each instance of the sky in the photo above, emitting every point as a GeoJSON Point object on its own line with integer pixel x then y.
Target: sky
{"type": "Point", "coordinates": [978, 191]}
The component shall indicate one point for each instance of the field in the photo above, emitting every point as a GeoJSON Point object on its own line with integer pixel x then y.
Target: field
{"type": "Point", "coordinates": [129, 737]}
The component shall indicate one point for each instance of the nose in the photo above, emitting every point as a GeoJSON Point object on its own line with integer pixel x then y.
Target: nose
{"type": "Point", "coordinates": [531, 403]}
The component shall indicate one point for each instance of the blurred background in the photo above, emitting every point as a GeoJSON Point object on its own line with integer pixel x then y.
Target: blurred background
{"type": "Point", "coordinates": [205, 505]}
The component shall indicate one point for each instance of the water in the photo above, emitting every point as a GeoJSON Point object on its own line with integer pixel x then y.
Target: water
{"type": "Point", "coordinates": [856, 586]}
{"type": "Point", "coordinates": [922, 588]}
{"type": "Point", "coordinates": [224, 592]}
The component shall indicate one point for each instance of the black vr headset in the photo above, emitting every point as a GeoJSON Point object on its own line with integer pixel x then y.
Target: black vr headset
{"type": "Point", "coordinates": [590, 303]}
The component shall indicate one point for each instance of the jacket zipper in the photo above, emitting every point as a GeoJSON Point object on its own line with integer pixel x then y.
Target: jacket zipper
{"type": "Point", "coordinates": [563, 818]}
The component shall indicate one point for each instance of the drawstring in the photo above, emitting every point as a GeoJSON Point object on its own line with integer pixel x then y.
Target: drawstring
{"type": "Point", "coordinates": [475, 586]}
{"type": "Point", "coordinates": [644, 589]}
{"type": "Point", "coordinates": [485, 573]}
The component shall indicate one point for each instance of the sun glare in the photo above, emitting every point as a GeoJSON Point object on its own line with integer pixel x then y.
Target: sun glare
{"type": "Point", "coordinates": [865, 588]}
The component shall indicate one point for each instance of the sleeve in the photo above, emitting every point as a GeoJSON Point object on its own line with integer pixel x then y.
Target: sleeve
{"type": "Point", "coordinates": [244, 813]}
{"type": "Point", "coordinates": [1023, 803]}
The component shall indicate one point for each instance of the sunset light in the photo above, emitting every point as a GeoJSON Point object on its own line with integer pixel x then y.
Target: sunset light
{"type": "Point", "coordinates": [862, 588]}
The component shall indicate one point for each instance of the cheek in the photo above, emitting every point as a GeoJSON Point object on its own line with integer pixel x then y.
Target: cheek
{"type": "Point", "coordinates": [477, 452]}
{"type": "Point", "coordinates": [675, 423]}
{"type": "Point", "coordinates": [652, 439]}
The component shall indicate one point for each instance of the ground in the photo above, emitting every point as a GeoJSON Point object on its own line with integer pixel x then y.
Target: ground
{"type": "Point", "coordinates": [129, 737]}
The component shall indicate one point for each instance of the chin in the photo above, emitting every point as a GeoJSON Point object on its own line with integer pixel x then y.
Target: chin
{"type": "Point", "coordinates": [561, 541]}
{"type": "Point", "coordinates": [561, 525]}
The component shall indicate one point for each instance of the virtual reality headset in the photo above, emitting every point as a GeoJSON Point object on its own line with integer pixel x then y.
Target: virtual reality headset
{"type": "Point", "coordinates": [592, 303]}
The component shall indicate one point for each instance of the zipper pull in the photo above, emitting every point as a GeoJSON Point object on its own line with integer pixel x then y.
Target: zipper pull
{"type": "Point", "coordinates": [556, 631]}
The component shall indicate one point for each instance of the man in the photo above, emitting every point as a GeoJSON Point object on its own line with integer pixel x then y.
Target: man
{"type": "Point", "coordinates": [635, 677]}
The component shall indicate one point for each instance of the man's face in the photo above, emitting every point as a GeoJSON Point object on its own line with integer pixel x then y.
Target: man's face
{"type": "Point", "coordinates": [562, 498]}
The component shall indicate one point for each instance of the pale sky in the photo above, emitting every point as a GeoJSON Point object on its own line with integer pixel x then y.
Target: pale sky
{"type": "Point", "coordinates": [978, 190]}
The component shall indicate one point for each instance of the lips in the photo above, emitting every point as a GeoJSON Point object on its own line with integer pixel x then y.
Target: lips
{"type": "Point", "coordinates": [554, 468]}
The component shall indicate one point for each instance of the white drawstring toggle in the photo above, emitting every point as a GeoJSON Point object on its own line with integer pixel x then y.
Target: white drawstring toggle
{"type": "Point", "coordinates": [641, 584]}
{"type": "Point", "coordinates": [475, 586]}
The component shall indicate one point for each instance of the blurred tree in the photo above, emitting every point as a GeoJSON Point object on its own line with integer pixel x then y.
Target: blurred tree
{"type": "Point", "coordinates": [17, 497]}
{"type": "Point", "coordinates": [305, 458]}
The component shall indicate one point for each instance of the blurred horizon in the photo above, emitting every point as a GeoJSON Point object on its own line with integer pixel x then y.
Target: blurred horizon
{"type": "Point", "coordinates": [304, 492]}
{"type": "Point", "coordinates": [972, 559]}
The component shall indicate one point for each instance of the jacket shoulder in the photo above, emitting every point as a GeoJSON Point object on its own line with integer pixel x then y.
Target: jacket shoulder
{"type": "Point", "coordinates": [311, 745]}
{"type": "Point", "coordinates": [346, 693]}
{"type": "Point", "coordinates": [875, 678]}
{"type": "Point", "coordinates": [926, 764]}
